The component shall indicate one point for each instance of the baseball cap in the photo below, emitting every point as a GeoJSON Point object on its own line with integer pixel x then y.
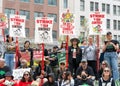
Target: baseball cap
{"type": "Point", "coordinates": [84, 60]}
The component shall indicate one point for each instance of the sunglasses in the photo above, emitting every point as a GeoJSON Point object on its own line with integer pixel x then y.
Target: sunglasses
{"type": "Point", "coordinates": [26, 74]}
{"type": "Point", "coordinates": [106, 70]}
{"type": "Point", "coordinates": [103, 64]}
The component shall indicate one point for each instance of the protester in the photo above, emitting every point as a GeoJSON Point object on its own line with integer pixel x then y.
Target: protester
{"type": "Point", "coordinates": [83, 46]}
{"type": "Point", "coordinates": [91, 54]}
{"type": "Point", "coordinates": [3, 68]}
{"type": "Point", "coordinates": [10, 52]}
{"type": "Point", "coordinates": [27, 49]}
{"type": "Point", "coordinates": [23, 64]}
{"type": "Point", "coordinates": [60, 71]}
{"type": "Point", "coordinates": [74, 55]}
{"type": "Point", "coordinates": [102, 66]}
{"type": "Point", "coordinates": [26, 79]}
{"type": "Point", "coordinates": [83, 79]}
{"type": "Point", "coordinates": [63, 47]}
{"type": "Point", "coordinates": [110, 55]}
{"type": "Point", "coordinates": [68, 80]}
{"type": "Point", "coordinates": [51, 80]}
{"type": "Point", "coordinates": [8, 80]}
{"type": "Point", "coordinates": [54, 60]}
{"type": "Point", "coordinates": [88, 72]}
{"type": "Point", "coordinates": [39, 73]}
{"type": "Point", "coordinates": [106, 79]}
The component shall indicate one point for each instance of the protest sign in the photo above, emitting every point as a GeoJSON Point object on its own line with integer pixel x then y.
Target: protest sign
{"type": "Point", "coordinates": [61, 57]}
{"type": "Point", "coordinates": [97, 23]}
{"type": "Point", "coordinates": [3, 21]}
{"type": "Point", "coordinates": [17, 25]}
{"type": "Point", "coordinates": [18, 73]}
{"type": "Point", "coordinates": [43, 30]}
{"type": "Point", "coordinates": [67, 24]}
{"type": "Point", "coordinates": [25, 55]}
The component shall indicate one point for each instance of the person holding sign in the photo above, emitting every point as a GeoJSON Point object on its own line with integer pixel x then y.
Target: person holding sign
{"type": "Point", "coordinates": [74, 55]}
{"type": "Point", "coordinates": [28, 50]}
{"type": "Point", "coordinates": [10, 52]}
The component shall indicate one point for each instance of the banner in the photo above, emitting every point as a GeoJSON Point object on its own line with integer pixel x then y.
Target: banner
{"type": "Point", "coordinates": [67, 24]}
{"type": "Point", "coordinates": [18, 73]}
{"type": "Point", "coordinates": [43, 30]}
{"type": "Point", "coordinates": [61, 57]}
{"type": "Point", "coordinates": [3, 21]}
{"type": "Point", "coordinates": [25, 55]}
{"type": "Point", "coordinates": [97, 23]}
{"type": "Point", "coordinates": [17, 25]}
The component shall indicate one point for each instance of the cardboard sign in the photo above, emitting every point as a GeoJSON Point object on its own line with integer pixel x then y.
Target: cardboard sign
{"type": "Point", "coordinates": [17, 25]}
{"type": "Point", "coordinates": [18, 73]}
{"type": "Point", "coordinates": [97, 23]}
{"type": "Point", "coordinates": [26, 56]}
{"type": "Point", "coordinates": [43, 30]}
{"type": "Point", "coordinates": [3, 21]}
{"type": "Point", "coordinates": [67, 24]}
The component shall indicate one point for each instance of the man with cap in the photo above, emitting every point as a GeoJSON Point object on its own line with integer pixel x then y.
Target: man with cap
{"type": "Point", "coordinates": [3, 68]}
{"type": "Point", "coordinates": [87, 69]}
{"type": "Point", "coordinates": [74, 55]}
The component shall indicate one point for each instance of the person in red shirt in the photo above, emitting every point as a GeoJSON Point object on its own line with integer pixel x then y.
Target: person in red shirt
{"type": "Point", "coordinates": [8, 80]}
{"type": "Point", "coordinates": [26, 79]}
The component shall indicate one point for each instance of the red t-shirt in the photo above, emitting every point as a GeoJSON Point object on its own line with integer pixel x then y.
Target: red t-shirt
{"type": "Point", "coordinates": [24, 83]}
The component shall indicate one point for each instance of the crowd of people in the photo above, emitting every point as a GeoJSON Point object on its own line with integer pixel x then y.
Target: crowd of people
{"type": "Point", "coordinates": [81, 69]}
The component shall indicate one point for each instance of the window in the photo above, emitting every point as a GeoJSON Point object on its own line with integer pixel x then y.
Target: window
{"type": "Point", "coordinates": [65, 3]}
{"type": "Point", "coordinates": [26, 13]}
{"type": "Point", "coordinates": [82, 20]}
{"type": "Point", "coordinates": [82, 5]}
{"type": "Point", "coordinates": [96, 6]}
{"type": "Point", "coordinates": [108, 9]}
{"type": "Point", "coordinates": [115, 37]}
{"type": "Point", "coordinates": [52, 2]}
{"type": "Point", "coordinates": [114, 24]}
{"type": "Point", "coordinates": [114, 10]}
{"type": "Point", "coordinates": [119, 38]}
{"type": "Point", "coordinates": [118, 25]}
{"type": "Point", "coordinates": [118, 10]}
{"type": "Point", "coordinates": [103, 7]}
{"type": "Point", "coordinates": [25, 0]}
{"type": "Point", "coordinates": [54, 16]}
{"type": "Point", "coordinates": [38, 14]}
{"type": "Point", "coordinates": [27, 32]}
{"type": "Point", "coordinates": [54, 34]}
{"type": "Point", "coordinates": [39, 1]}
{"type": "Point", "coordinates": [9, 11]}
{"type": "Point", "coordinates": [108, 24]}
{"type": "Point", "coordinates": [91, 6]}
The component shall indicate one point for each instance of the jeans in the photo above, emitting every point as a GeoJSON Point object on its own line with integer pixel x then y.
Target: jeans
{"type": "Point", "coordinates": [9, 60]}
{"type": "Point", "coordinates": [112, 59]}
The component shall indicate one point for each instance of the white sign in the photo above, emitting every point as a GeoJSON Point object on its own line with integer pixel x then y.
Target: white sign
{"type": "Point", "coordinates": [67, 24]}
{"type": "Point", "coordinates": [17, 25]}
{"type": "Point", "coordinates": [43, 30]}
{"type": "Point", "coordinates": [18, 73]}
{"type": "Point", "coordinates": [97, 23]}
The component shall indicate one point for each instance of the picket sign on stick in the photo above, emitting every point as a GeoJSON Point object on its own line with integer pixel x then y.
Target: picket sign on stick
{"type": "Point", "coordinates": [97, 29]}
{"type": "Point", "coordinates": [3, 23]}
{"type": "Point", "coordinates": [67, 25]}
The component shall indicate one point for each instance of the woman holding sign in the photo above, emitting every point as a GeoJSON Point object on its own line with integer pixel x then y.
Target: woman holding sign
{"type": "Point", "coordinates": [28, 50]}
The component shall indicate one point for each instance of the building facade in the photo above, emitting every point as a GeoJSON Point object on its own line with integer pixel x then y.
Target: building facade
{"type": "Point", "coordinates": [32, 9]}
{"type": "Point", "coordinates": [83, 8]}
